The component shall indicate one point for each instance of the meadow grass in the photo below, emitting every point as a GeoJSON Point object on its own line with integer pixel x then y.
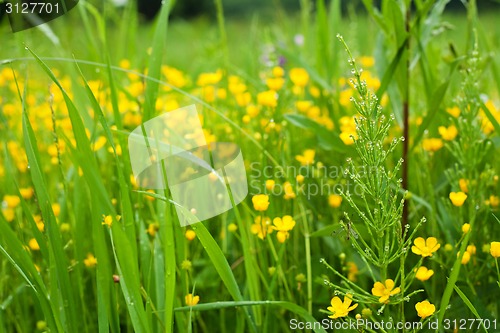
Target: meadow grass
{"type": "Point", "coordinates": [322, 234]}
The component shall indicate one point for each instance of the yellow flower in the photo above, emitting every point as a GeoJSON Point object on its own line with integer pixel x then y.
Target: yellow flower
{"type": "Point", "coordinates": [348, 137]}
{"type": "Point", "coordinates": [339, 308]}
{"type": "Point", "coordinates": [384, 291]}
{"type": "Point", "coordinates": [299, 77]}
{"type": "Point", "coordinates": [300, 179]}
{"type": "Point", "coordinates": [108, 220]}
{"type": "Point", "coordinates": [33, 244]}
{"type": "Point", "coordinates": [465, 228]}
{"type": "Point", "coordinates": [448, 133]}
{"type": "Point", "coordinates": [454, 111]}
{"type": "Point", "coordinates": [11, 201]}
{"type": "Point", "coordinates": [152, 229]}
{"type": "Point", "coordinates": [261, 227]}
{"type": "Point", "coordinates": [495, 249]}
{"type": "Point", "coordinates": [270, 184]}
{"type": "Point", "coordinates": [463, 183]}
{"type": "Point", "coordinates": [26, 193]}
{"type": "Point", "coordinates": [289, 193]}
{"type": "Point", "coordinates": [494, 201]}
{"type": "Point", "coordinates": [425, 309]}
{"type": "Point", "coordinates": [352, 271]}
{"type": "Point", "coordinates": [191, 300]}
{"type": "Point", "coordinates": [232, 227]}
{"type": "Point", "coordinates": [268, 98]}
{"type": "Point", "coordinates": [283, 226]}
{"type": "Point", "coordinates": [260, 202]}
{"type": "Point", "coordinates": [278, 71]}
{"type": "Point", "coordinates": [9, 214]}
{"type": "Point", "coordinates": [90, 261]}
{"type": "Point", "coordinates": [334, 200]}
{"type": "Point", "coordinates": [307, 157]}
{"type": "Point", "coordinates": [423, 273]}
{"type": "Point", "coordinates": [190, 234]}
{"type": "Point", "coordinates": [471, 249]}
{"type": "Point", "coordinates": [275, 83]}
{"type": "Point", "coordinates": [205, 79]}
{"type": "Point", "coordinates": [458, 198]}
{"type": "Point", "coordinates": [432, 144]}
{"type": "Point", "coordinates": [425, 248]}
{"type": "Point", "coordinates": [465, 258]}
{"type": "Point", "coordinates": [303, 106]}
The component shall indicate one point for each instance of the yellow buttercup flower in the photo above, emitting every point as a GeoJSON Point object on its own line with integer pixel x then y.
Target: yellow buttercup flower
{"type": "Point", "coordinates": [494, 201]}
{"type": "Point", "coordinates": [423, 273]}
{"type": "Point", "coordinates": [289, 192]}
{"type": "Point", "coordinates": [432, 144]}
{"type": "Point", "coordinates": [268, 98]}
{"type": "Point", "coordinates": [191, 300]}
{"type": "Point", "coordinates": [448, 133]}
{"type": "Point", "coordinates": [152, 229]}
{"type": "Point", "coordinates": [205, 79]}
{"type": "Point", "coordinates": [108, 220]}
{"type": "Point", "coordinates": [465, 228]}
{"type": "Point", "coordinates": [275, 83]}
{"type": "Point", "coordinates": [334, 200]}
{"type": "Point", "coordinates": [300, 179]}
{"type": "Point", "coordinates": [261, 227]}
{"type": "Point", "coordinates": [299, 77]}
{"type": "Point", "coordinates": [33, 244]}
{"type": "Point", "coordinates": [283, 226]}
{"type": "Point", "coordinates": [425, 247]}
{"type": "Point", "coordinates": [454, 111]}
{"type": "Point", "coordinates": [260, 202]}
{"type": "Point", "coordinates": [11, 201]}
{"type": "Point", "coordinates": [190, 234]}
{"type": "Point", "coordinates": [457, 198]}
{"type": "Point", "coordinates": [307, 157]}
{"type": "Point", "coordinates": [9, 214]}
{"type": "Point", "coordinates": [352, 271]}
{"type": "Point", "coordinates": [90, 261]}
{"type": "Point", "coordinates": [385, 290]}
{"type": "Point", "coordinates": [232, 227]}
{"type": "Point", "coordinates": [341, 309]}
{"type": "Point", "coordinates": [464, 185]}
{"type": "Point", "coordinates": [425, 309]}
{"type": "Point", "coordinates": [270, 184]}
{"type": "Point", "coordinates": [495, 249]}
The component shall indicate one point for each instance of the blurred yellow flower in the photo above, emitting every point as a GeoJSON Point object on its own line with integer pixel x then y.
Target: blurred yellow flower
{"type": "Point", "coordinates": [152, 229]}
{"type": "Point", "coordinates": [495, 249]}
{"type": "Point", "coordinates": [283, 226]}
{"type": "Point", "coordinates": [9, 214]}
{"type": "Point", "coordinates": [494, 201]}
{"type": "Point", "coordinates": [268, 98]}
{"type": "Point", "coordinates": [289, 192]}
{"type": "Point", "coordinates": [348, 137]}
{"type": "Point", "coordinates": [432, 144]}
{"type": "Point", "coordinates": [278, 71]}
{"type": "Point", "coordinates": [11, 201]}
{"type": "Point", "coordinates": [307, 157]}
{"type": "Point", "coordinates": [457, 198]}
{"type": "Point", "coordinates": [300, 179]}
{"type": "Point", "coordinates": [90, 261]}
{"type": "Point", "coordinates": [425, 309]}
{"type": "Point", "coordinates": [232, 227]}
{"type": "Point", "coordinates": [448, 133]}
{"type": "Point", "coordinates": [270, 184]}
{"type": "Point", "coordinates": [190, 234]}
{"type": "Point", "coordinates": [463, 183]}
{"type": "Point", "coordinates": [299, 77]}
{"type": "Point", "coordinates": [26, 193]}
{"type": "Point", "coordinates": [191, 300]}
{"type": "Point", "coordinates": [33, 244]}
{"type": "Point", "coordinates": [465, 257]}
{"type": "Point", "coordinates": [454, 111]}
{"type": "Point", "coordinates": [205, 79]}
{"type": "Point", "coordinates": [352, 271]}
{"type": "Point", "coordinates": [261, 226]}
{"type": "Point", "coordinates": [334, 200]}
{"type": "Point", "coordinates": [275, 83]}
{"type": "Point", "coordinates": [423, 273]}
{"type": "Point", "coordinates": [260, 202]}
{"type": "Point", "coordinates": [425, 247]}
{"type": "Point", "coordinates": [341, 309]}
{"type": "Point", "coordinates": [471, 249]}
{"type": "Point", "coordinates": [465, 228]}
{"type": "Point", "coordinates": [385, 290]}
{"type": "Point", "coordinates": [108, 220]}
